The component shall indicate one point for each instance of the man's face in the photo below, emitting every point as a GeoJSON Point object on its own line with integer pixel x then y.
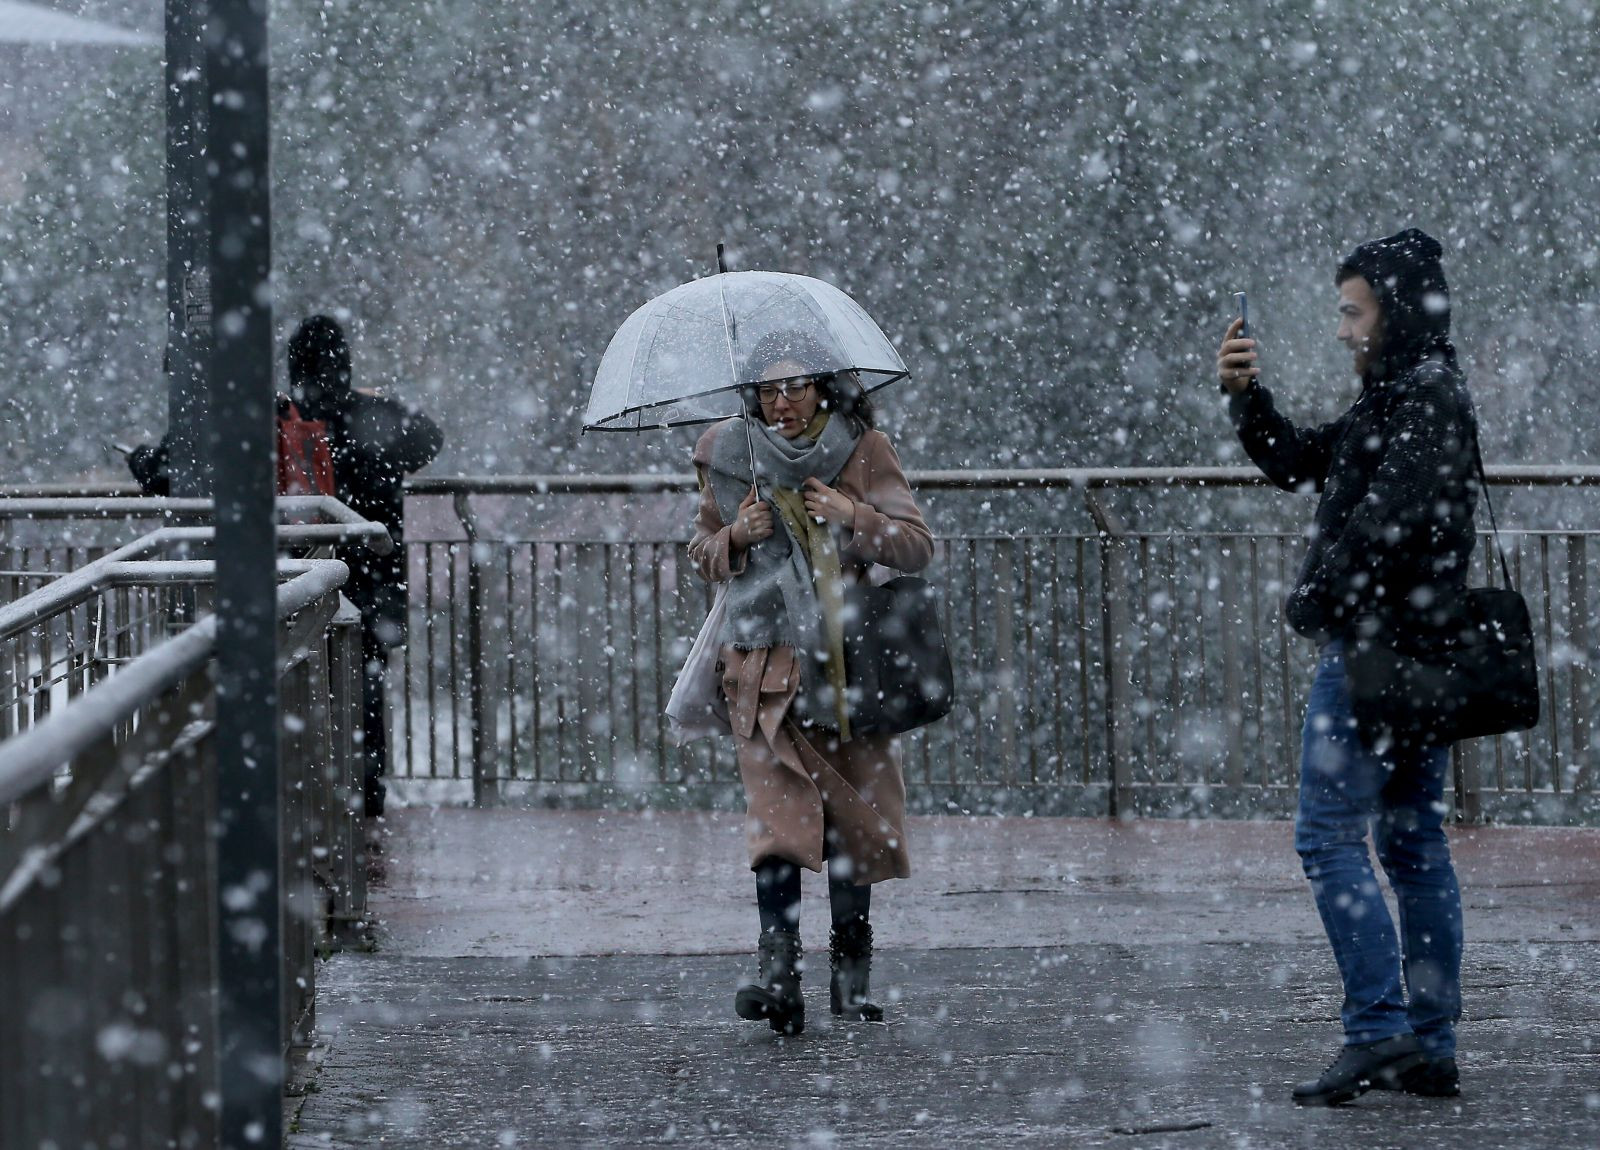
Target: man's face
{"type": "Point", "coordinates": [1360, 322]}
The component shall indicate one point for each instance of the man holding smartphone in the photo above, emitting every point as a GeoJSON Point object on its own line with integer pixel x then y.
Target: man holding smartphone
{"type": "Point", "coordinates": [1393, 531]}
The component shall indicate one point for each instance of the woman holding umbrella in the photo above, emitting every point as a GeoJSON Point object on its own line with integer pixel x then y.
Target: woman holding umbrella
{"type": "Point", "coordinates": [829, 502]}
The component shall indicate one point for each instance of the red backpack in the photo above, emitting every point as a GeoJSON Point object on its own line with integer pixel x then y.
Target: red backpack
{"type": "Point", "coordinates": [305, 460]}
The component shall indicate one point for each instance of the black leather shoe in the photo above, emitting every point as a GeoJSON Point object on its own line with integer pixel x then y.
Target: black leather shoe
{"type": "Point", "coordinates": [1359, 1068]}
{"type": "Point", "coordinates": [774, 997]}
{"type": "Point", "coordinates": [1433, 1078]}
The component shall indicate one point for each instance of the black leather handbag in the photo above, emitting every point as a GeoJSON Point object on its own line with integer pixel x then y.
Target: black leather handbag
{"type": "Point", "coordinates": [1461, 669]}
{"type": "Point", "coordinates": [895, 657]}
{"type": "Point", "coordinates": [896, 662]}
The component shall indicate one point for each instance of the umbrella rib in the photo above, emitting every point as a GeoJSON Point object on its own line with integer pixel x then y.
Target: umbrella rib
{"type": "Point", "coordinates": [633, 360]}
{"type": "Point", "coordinates": [727, 330]}
{"type": "Point", "coordinates": [809, 302]}
{"type": "Point", "coordinates": [642, 406]}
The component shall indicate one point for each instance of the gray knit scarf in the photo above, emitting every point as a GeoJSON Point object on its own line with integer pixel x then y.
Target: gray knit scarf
{"type": "Point", "coordinates": [772, 603]}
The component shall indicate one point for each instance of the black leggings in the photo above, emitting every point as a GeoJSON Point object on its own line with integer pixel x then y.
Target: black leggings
{"type": "Point", "coordinates": [778, 895]}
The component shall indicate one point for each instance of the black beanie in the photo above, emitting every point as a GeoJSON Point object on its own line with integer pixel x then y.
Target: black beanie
{"type": "Point", "coordinates": [1406, 276]}
{"type": "Point", "coordinates": [319, 353]}
{"type": "Point", "coordinates": [319, 368]}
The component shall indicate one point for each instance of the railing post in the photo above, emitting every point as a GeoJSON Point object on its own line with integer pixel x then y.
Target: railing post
{"type": "Point", "coordinates": [1467, 768]}
{"type": "Point", "coordinates": [1581, 698]}
{"type": "Point", "coordinates": [484, 789]}
{"type": "Point", "coordinates": [1005, 654]}
{"type": "Point", "coordinates": [1232, 701]}
{"type": "Point", "coordinates": [194, 906]}
{"type": "Point", "coordinates": [1114, 623]}
{"type": "Point", "coordinates": [347, 922]}
{"type": "Point", "coordinates": [296, 757]}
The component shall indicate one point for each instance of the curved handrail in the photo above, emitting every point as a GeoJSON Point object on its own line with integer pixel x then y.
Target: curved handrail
{"type": "Point", "coordinates": [31, 758]}
{"type": "Point", "coordinates": [74, 587]}
{"type": "Point", "coordinates": [113, 503]}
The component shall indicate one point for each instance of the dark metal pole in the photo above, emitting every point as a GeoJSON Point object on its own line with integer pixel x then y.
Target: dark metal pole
{"type": "Point", "coordinates": [188, 266]}
{"type": "Point", "coordinates": [250, 965]}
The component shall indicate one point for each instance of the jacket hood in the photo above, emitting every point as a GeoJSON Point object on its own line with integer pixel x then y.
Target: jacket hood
{"type": "Point", "coordinates": [1406, 276]}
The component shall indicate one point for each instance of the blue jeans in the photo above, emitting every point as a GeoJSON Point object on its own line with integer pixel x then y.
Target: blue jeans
{"type": "Point", "coordinates": [1346, 787]}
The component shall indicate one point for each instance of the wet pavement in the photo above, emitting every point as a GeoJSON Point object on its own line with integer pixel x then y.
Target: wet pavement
{"type": "Point", "coordinates": [565, 979]}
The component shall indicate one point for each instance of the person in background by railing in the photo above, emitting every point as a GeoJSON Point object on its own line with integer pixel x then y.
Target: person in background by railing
{"type": "Point", "coordinates": [816, 796]}
{"type": "Point", "coordinates": [1393, 530]}
{"type": "Point", "coordinates": [375, 442]}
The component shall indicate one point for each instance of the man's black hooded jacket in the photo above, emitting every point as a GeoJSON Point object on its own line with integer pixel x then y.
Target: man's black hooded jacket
{"type": "Point", "coordinates": [1394, 528]}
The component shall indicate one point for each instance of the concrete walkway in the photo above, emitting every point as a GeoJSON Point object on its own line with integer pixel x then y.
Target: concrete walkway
{"type": "Point", "coordinates": [565, 979]}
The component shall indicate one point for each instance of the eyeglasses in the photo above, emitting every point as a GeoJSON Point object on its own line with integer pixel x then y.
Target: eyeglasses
{"type": "Point", "coordinates": [793, 390]}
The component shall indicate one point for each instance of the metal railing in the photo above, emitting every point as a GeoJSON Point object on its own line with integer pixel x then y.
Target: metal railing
{"type": "Point", "coordinates": [52, 650]}
{"type": "Point", "coordinates": [108, 871]}
{"type": "Point", "coordinates": [1103, 670]}
{"type": "Point", "coordinates": [108, 881]}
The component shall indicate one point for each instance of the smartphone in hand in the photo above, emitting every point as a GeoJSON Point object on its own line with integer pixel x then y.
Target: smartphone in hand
{"type": "Point", "coordinates": [1243, 304]}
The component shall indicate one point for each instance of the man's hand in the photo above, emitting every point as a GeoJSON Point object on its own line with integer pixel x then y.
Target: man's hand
{"type": "Point", "coordinates": [1236, 360]}
{"type": "Point", "coordinates": [823, 503]}
{"type": "Point", "coordinates": [752, 524]}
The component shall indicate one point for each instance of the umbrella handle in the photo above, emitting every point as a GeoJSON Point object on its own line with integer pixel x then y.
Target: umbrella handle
{"type": "Point", "coordinates": [750, 442]}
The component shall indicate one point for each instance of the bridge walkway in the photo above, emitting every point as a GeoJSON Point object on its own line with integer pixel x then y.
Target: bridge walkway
{"type": "Point", "coordinates": [559, 978]}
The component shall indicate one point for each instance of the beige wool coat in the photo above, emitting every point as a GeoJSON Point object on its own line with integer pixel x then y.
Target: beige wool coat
{"type": "Point", "coordinates": [812, 797]}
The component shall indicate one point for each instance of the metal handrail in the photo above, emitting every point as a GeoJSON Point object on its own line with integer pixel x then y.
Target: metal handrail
{"type": "Point", "coordinates": [493, 583]}
{"type": "Point", "coordinates": [76, 586]}
{"type": "Point", "coordinates": [114, 502]}
{"type": "Point", "coordinates": [1508, 474]}
{"type": "Point", "coordinates": [30, 758]}
{"type": "Point", "coordinates": [89, 489]}
{"type": "Point", "coordinates": [123, 783]}
{"type": "Point", "coordinates": [1531, 475]}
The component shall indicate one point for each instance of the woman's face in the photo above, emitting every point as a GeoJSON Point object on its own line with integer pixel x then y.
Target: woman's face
{"type": "Point", "coordinates": [788, 407]}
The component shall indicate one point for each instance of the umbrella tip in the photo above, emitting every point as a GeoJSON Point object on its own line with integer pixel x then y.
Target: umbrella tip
{"type": "Point", "coordinates": [722, 258]}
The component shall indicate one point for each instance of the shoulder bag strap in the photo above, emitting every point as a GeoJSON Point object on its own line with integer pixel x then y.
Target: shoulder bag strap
{"type": "Point", "coordinates": [1483, 486]}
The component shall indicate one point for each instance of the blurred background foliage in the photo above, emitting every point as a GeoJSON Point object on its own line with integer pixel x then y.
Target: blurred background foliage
{"type": "Point", "coordinates": [1046, 205]}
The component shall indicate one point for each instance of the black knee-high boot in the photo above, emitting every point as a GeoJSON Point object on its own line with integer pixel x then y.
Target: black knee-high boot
{"type": "Point", "coordinates": [774, 995]}
{"type": "Point", "coordinates": [850, 949]}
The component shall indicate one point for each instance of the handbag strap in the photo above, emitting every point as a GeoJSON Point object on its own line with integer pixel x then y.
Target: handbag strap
{"type": "Point", "coordinates": [1483, 486]}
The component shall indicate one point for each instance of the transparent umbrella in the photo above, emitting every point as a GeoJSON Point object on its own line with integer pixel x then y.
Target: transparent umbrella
{"type": "Point", "coordinates": [680, 359]}
{"type": "Point", "coordinates": [22, 23]}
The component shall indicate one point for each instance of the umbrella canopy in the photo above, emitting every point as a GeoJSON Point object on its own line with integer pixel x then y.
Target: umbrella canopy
{"type": "Point", "coordinates": [35, 24]}
{"type": "Point", "coordinates": [681, 358]}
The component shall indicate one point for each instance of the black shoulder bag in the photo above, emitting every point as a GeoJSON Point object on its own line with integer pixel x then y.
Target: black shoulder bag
{"type": "Point", "coordinates": [896, 662]}
{"type": "Point", "coordinates": [895, 657]}
{"type": "Point", "coordinates": [1461, 668]}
